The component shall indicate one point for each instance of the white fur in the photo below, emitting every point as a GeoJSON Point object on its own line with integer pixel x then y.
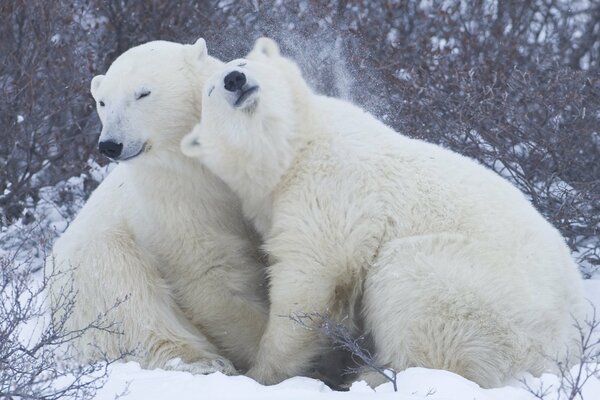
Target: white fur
{"type": "Point", "coordinates": [446, 264]}
{"type": "Point", "coordinates": [161, 230]}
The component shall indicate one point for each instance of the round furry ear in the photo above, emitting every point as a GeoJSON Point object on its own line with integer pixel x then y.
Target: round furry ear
{"type": "Point", "coordinates": [190, 146]}
{"type": "Point", "coordinates": [95, 84]}
{"type": "Point", "coordinates": [199, 49]}
{"type": "Point", "coordinates": [266, 46]}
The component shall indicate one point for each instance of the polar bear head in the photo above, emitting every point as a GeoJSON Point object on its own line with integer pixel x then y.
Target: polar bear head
{"type": "Point", "coordinates": [150, 97]}
{"type": "Point", "coordinates": [253, 115]}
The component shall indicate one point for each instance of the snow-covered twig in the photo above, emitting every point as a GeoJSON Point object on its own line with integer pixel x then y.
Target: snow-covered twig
{"type": "Point", "coordinates": [343, 339]}
{"type": "Point", "coordinates": [572, 379]}
{"type": "Point", "coordinates": [37, 357]}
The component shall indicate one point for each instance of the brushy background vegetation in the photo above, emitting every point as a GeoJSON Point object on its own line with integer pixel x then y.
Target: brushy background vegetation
{"type": "Point", "coordinates": [514, 84]}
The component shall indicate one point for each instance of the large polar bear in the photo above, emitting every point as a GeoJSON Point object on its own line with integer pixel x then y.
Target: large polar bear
{"type": "Point", "coordinates": [444, 263]}
{"type": "Point", "coordinates": [161, 230]}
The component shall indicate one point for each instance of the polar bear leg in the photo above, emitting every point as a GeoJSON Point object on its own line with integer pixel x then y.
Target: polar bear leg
{"type": "Point", "coordinates": [287, 349]}
{"type": "Point", "coordinates": [229, 299]}
{"type": "Point", "coordinates": [425, 307]}
{"type": "Point", "coordinates": [113, 270]}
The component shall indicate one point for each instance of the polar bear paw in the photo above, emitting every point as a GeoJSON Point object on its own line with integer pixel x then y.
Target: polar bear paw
{"type": "Point", "coordinates": [202, 367]}
{"type": "Point", "coordinates": [266, 376]}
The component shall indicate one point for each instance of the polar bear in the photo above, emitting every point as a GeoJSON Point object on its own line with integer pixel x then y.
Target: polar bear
{"type": "Point", "coordinates": [444, 263]}
{"type": "Point", "coordinates": [161, 231]}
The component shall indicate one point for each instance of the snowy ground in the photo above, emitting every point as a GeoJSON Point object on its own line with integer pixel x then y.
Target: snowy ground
{"type": "Point", "coordinates": [415, 383]}
{"type": "Point", "coordinates": [129, 381]}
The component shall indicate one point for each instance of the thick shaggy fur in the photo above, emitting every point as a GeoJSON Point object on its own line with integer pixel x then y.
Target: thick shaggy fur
{"type": "Point", "coordinates": [447, 264]}
{"type": "Point", "coordinates": [161, 230]}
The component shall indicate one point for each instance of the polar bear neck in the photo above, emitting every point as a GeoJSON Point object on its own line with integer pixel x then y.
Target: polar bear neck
{"type": "Point", "coordinates": [163, 174]}
{"type": "Point", "coordinates": [261, 169]}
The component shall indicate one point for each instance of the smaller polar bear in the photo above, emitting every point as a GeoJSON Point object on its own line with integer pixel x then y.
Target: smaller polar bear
{"type": "Point", "coordinates": [444, 263]}
{"type": "Point", "coordinates": [161, 230]}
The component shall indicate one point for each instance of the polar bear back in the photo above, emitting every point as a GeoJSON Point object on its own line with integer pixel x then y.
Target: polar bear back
{"type": "Point", "coordinates": [434, 189]}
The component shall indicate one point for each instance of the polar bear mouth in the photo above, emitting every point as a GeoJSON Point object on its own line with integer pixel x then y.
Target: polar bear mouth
{"type": "Point", "coordinates": [245, 95]}
{"type": "Point", "coordinates": [143, 149]}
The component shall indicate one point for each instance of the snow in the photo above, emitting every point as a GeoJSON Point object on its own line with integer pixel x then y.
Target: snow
{"type": "Point", "coordinates": [403, 75]}
{"type": "Point", "coordinates": [414, 383]}
{"type": "Point", "coordinates": [392, 37]}
{"type": "Point", "coordinates": [53, 215]}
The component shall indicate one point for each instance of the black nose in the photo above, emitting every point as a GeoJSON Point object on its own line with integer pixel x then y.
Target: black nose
{"type": "Point", "coordinates": [110, 149]}
{"type": "Point", "coordinates": [234, 81]}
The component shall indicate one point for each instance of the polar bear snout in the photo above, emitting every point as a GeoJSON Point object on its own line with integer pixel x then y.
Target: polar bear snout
{"type": "Point", "coordinates": [118, 150]}
{"type": "Point", "coordinates": [234, 81]}
{"type": "Point", "coordinates": [240, 90]}
{"type": "Point", "coordinates": [110, 148]}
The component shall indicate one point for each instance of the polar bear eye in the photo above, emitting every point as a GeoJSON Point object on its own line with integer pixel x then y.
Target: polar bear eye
{"type": "Point", "coordinates": [242, 64]}
{"type": "Point", "coordinates": [143, 94]}
{"type": "Point", "coordinates": [101, 103]}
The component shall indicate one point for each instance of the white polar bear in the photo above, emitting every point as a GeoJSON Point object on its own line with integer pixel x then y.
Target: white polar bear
{"type": "Point", "coordinates": [444, 263]}
{"type": "Point", "coordinates": [161, 229]}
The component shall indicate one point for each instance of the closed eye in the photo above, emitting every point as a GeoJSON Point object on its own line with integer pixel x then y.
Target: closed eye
{"type": "Point", "coordinates": [242, 64]}
{"type": "Point", "coordinates": [143, 94]}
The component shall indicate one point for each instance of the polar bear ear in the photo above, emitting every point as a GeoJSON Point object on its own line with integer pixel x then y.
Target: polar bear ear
{"type": "Point", "coordinates": [199, 49]}
{"type": "Point", "coordinates": [190, 146]}
{"type": "Point", "coordinates": [266, 46]}
{"type": "Point", "coordinates": [96, 81]}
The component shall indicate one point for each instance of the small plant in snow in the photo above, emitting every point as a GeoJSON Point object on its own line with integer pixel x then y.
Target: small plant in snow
{"type": "Point", "coordinates": [37, 359]}
{"type": "Point", "coordinates": [572, 379]}
{"type": "Point", "coordinates": [343, 339]}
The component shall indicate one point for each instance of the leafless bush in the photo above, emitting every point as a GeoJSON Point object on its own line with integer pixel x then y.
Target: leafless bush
{"type": "Point", "coordinates": [342, 339]}
{"type": "Point", "coordinates": [45, 112]}
{"type": "Point", "coordinates": [572, 380]}
{"type": "Point", "coordinates": [37, 358]}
